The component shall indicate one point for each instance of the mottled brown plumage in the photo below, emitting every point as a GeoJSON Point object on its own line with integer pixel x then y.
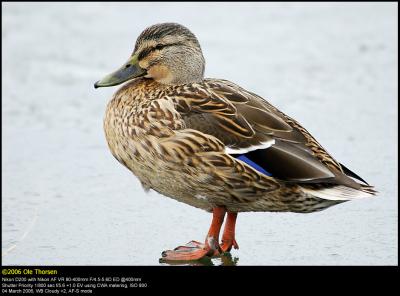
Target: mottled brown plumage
{"type": "Point", "coordinates": [181, 135]}
{"type": "Point", "coordinates": [155, 131]}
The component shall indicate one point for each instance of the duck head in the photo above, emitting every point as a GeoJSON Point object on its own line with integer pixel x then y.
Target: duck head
{"type": "Point", "coordinates": [168, 53]}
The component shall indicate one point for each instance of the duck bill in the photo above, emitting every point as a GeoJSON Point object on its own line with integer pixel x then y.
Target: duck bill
{"type": "Point", "coordinates": [128, 71]}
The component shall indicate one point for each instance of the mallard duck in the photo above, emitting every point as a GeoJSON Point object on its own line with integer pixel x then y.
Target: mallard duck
{"type": "Point", "coordinates": [213, 145]}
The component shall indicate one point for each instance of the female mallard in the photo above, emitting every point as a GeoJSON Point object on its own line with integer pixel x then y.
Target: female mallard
{"type": "Point", "coordinates": [212, 144]}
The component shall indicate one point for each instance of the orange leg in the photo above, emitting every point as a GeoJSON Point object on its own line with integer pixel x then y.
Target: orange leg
{"type": "Point", "coordinates": [228, 237]}
{"type": "Point", "coordinates": [195, 250]}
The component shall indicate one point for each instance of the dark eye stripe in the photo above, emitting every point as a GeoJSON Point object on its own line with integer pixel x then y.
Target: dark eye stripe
{"type": "Point", "coordinates": [160, 46]}
{"type": "Point", "coordinates": [145, 52]}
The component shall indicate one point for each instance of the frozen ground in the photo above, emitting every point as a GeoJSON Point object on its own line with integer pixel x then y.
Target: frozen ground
{"type": "Point", "coordinates": [66, 200]}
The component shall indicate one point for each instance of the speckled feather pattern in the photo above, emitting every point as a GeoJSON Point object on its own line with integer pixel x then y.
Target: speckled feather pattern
{"type": "Point", "coordinates": [148, 129]}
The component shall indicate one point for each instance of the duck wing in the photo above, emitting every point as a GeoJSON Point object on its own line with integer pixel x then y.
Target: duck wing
{"type": "Point", "coordinates": [258, 134]}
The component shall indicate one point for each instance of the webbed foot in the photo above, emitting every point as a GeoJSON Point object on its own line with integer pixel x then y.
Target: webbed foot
{"type": "Point", "coordinates": [193, 250]}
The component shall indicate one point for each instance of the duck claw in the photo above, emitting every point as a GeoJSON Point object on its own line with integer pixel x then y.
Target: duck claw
{"type": "Point", "coordinates": [226, 245]}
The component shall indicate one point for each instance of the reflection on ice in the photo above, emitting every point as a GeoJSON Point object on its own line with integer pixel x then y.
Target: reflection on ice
{"type": "Point", "coordinates": [225, 259]}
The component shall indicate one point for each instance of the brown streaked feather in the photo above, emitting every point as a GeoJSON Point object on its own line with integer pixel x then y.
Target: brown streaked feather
{"type": "Point", "coordinates": [242, 180]}
{"type": "Point", "coordinates": [255, 113]}
{"type": "Point", "coordinates": [241, 119]}
{"type": "Point", "coordinates": [205, 154]}
{"type": "Point", "coordinates": [262, 119]}
{"type": "Point", "coordinates": [182, 154]}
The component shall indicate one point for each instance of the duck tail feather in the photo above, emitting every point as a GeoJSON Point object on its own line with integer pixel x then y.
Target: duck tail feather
{"type": "Point", "coordinates": [340, 192]}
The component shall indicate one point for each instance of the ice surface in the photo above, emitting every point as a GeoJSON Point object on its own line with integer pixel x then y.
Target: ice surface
{"type": "Point", "coordinates": [66, 200]}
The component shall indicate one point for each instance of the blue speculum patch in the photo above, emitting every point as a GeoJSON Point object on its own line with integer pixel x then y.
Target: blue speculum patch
{"type": "Point", "coordinates": [251, 163]}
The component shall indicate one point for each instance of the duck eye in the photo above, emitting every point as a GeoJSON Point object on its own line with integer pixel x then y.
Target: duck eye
{"type": "Point", "coordinates": [159, 46]}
